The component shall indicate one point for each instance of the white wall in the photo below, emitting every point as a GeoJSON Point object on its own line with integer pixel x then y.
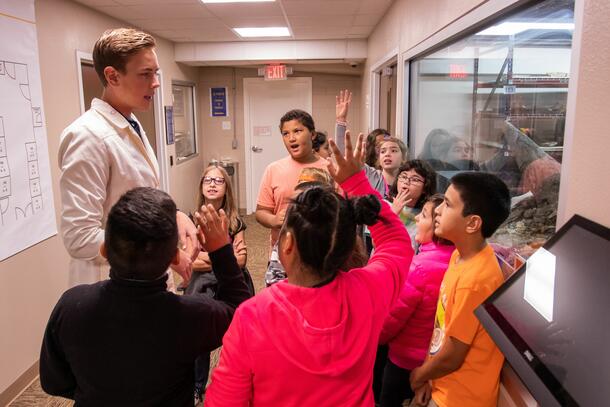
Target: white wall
{"type": "Point", "coordinates": [585, 187]}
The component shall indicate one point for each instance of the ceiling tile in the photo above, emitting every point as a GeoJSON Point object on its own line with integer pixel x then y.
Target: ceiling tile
{"type": "Point", "coordinates": [155, 3]}
{"type": "Point", "coordinates": [96, 3]}
{"type": "Point", "coordinates": [163, 11]}
{"type": "Point", "coordinates": [320, 31]}
{"type": "Point", "coordinates": [367, 19]}
{"type": "Point", "coordinates": [237, 10]}
{"type": "Point", "coordinates": [119, 12]}
{"type": "Point", "coordinates": [374, 6]}
{"type": "Point", "coordinates": [309, 8]}
{"type": "Point", "coordinates": [177, 23]}
{"type": "Point", "coordinates": [320, 21]}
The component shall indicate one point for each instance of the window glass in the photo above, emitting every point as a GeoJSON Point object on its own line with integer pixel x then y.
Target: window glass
{"type": "Point", "coordinates": [184, 121]}
{"type": "Point", "coordinates": [495, 101]}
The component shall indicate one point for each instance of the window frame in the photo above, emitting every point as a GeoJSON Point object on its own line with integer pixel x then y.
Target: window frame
{"type": "Point", "coordinates": [193, 86]}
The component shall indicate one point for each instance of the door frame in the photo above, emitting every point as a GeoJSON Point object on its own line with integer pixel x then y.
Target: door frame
{"type": "Point", "coordinates": [250, 198]}
{"type": "Point", "coordinates": [389, 59]}
{"type": "Point", "coordinates": [159, 112]}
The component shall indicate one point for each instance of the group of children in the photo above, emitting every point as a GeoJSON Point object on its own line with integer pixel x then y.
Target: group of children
{"type": "Point", "coordinates": [318, 337]}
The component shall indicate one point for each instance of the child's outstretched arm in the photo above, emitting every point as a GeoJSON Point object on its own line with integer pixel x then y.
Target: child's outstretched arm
{"type": "Point", "coordinates": [389, 265]}
{"type": "Point", "coordinates": [232, 289]}
{"type": "Point", "coordinates": [343, 100]}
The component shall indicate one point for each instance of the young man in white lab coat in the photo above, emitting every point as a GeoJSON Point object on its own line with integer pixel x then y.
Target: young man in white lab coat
{"type": "Point", "coordinates": [105, 152]}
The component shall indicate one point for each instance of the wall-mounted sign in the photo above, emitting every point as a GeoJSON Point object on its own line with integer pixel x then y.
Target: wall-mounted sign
{"type": "Point", "coordinates": [275, 72]}
{"type": "Point", "coordinates": [262, 131]}
{"type": "Point", "coordinates": [218, 102]}
{"type": "Point", "coordinates": [169, 124]}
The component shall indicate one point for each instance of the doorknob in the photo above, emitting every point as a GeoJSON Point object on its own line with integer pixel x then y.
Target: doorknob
{"type": "Point", "coordinates": [257, 149]}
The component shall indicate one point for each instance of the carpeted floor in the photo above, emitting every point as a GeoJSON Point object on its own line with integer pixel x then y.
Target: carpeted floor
{"type": "Point", "coordinates": [257, 240]}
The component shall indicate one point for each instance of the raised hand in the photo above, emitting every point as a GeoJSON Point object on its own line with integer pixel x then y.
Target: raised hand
{"type": "Point", "coordinates": [400, 201]}
{"type": "Point", "coordinates": [343, 100]}
{"type": "Point", "coordinates": [349, 164]}
{"type": "Point", "coordinates": [213, 228]}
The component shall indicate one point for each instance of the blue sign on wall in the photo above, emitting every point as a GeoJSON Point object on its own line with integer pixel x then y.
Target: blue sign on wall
{"type": "Point", "coordinates": [218, 102]}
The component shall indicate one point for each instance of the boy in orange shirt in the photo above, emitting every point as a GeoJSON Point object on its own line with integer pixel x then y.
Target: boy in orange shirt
{"type": "Point", "coordinates": [463, 365]}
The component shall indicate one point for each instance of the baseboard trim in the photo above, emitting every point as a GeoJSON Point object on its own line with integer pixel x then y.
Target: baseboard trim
{"type": "Point", "coordinates": [14, 390]}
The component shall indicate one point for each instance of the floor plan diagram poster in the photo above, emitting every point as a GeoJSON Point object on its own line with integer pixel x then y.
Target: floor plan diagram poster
{"type": "Point", "coordinates": [27, 215]}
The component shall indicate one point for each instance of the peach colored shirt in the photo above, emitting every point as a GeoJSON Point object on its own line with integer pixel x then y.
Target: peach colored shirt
{"type": "Point", "coordinates": [278, 183]}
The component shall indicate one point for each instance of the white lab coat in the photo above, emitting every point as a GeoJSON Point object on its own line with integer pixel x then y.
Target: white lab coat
{"type": "Point", "coordinates": [101, 157]}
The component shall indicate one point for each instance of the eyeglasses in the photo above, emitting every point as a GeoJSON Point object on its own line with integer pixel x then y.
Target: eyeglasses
{"type": "Point", "coordinates": [216, 180]}
{"type": "Point", "coordinates": [410, 180]}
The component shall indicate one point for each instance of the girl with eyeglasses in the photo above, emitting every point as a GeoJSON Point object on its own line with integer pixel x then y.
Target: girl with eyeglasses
{"type": "Point", "coordinates": [416, 181]}
{"type": "Point", "coordinates": [215, 188]}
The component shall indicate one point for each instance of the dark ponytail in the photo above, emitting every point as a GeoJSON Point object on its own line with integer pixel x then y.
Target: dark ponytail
{"type": "Point", "coordinates": [324, 226]}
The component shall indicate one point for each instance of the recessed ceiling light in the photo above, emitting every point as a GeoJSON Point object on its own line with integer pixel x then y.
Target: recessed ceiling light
{"type": "Point", "coordinates": [263, 31]}
{"type": "Point", "coordinates": [236, 1]}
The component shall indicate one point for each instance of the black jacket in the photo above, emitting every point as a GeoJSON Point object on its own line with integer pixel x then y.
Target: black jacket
{"type": "Point", "coordinates": [132, 343]}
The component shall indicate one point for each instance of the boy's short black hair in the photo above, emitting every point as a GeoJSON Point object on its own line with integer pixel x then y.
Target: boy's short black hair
{"type": "Point", "coordinates": [141, 234]}
{"type": "Point", "coordinates": [484, 195]}
{"type": "Point", "coordinates": [301, 116]}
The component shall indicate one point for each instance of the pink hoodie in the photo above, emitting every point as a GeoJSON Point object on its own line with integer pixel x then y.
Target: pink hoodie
{"type": "Point", "coordinates": [408, 327]}
{"type": "Point", "coordinates": [297, 346]}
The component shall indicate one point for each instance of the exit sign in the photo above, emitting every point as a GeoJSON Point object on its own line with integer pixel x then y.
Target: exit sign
{"type": "Point", "coordinates": [457, 71]}
{"type": "Point", "coordinates": [275, 72]}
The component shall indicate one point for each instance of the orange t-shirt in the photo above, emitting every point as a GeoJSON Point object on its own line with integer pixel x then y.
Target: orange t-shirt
{"type": "Point", "coordinates": [465, 286]}
{"type": "Point", "coordinates": [278, 182]}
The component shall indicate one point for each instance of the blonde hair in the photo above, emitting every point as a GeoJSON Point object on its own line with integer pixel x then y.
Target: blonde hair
{"type": "Point", "coordinates": [116, 46]}
{"type": "Point", "coordinates": [228, 202]}
{"type": "Point", "coordinates": [315, 175]}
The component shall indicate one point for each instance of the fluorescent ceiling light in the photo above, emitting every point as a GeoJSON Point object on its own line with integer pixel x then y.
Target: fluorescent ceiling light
{"type": "Point", "coordinates": [237, 1]}
{"type": "Point", "coordinates": [263, 31]}
{"type": "Point", "coordinates": [516, 28]}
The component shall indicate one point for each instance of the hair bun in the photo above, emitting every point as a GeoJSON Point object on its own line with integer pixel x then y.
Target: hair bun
{"type": "Point", "coordinates": [314, 203]}
{"type": "Point", "coordinates": [366, 209]}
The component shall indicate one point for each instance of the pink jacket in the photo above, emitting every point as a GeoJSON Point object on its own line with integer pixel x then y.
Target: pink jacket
{"type": "Point", "coordinates": [408, 327]}
{"type": "Point", "coordinates": [297, 346]}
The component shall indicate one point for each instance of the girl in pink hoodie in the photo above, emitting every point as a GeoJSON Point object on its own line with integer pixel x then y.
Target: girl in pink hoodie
{"type": "Point", "coordinates": [310, 340]}
{"type": "Point", "coordinates": [408, 328]}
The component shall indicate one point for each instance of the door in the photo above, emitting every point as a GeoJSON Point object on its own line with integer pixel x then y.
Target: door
{"type": "Point", "coordinates": [265, 102]}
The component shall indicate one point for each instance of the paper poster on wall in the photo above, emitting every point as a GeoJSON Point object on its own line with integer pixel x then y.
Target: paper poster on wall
{"type": "Point", "coordinates": [27, 214]}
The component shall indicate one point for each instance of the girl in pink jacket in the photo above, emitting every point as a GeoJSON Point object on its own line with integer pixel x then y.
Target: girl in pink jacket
{"type": "Point", "coordinates": [408, 328]}
{"type": "Point", "coordinates": [310, 340]}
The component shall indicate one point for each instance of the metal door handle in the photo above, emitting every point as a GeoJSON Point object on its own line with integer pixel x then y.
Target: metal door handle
{"type": "Point", "coordinates": [257, 149]}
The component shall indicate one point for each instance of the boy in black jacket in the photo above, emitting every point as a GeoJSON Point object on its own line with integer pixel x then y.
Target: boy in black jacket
{"type": "Point", "coordinates": [127, 341]}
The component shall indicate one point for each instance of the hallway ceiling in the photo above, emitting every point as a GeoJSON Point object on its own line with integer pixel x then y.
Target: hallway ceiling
{"type": "Point", "coordinates": [193, 21]}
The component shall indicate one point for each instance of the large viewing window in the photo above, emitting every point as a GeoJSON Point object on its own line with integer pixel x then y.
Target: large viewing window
{"type": "Point", "coordinates": [495, 101]}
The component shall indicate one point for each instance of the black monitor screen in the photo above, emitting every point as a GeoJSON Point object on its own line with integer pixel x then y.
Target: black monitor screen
{"type": "Point", "coordinates": [553, 317]}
